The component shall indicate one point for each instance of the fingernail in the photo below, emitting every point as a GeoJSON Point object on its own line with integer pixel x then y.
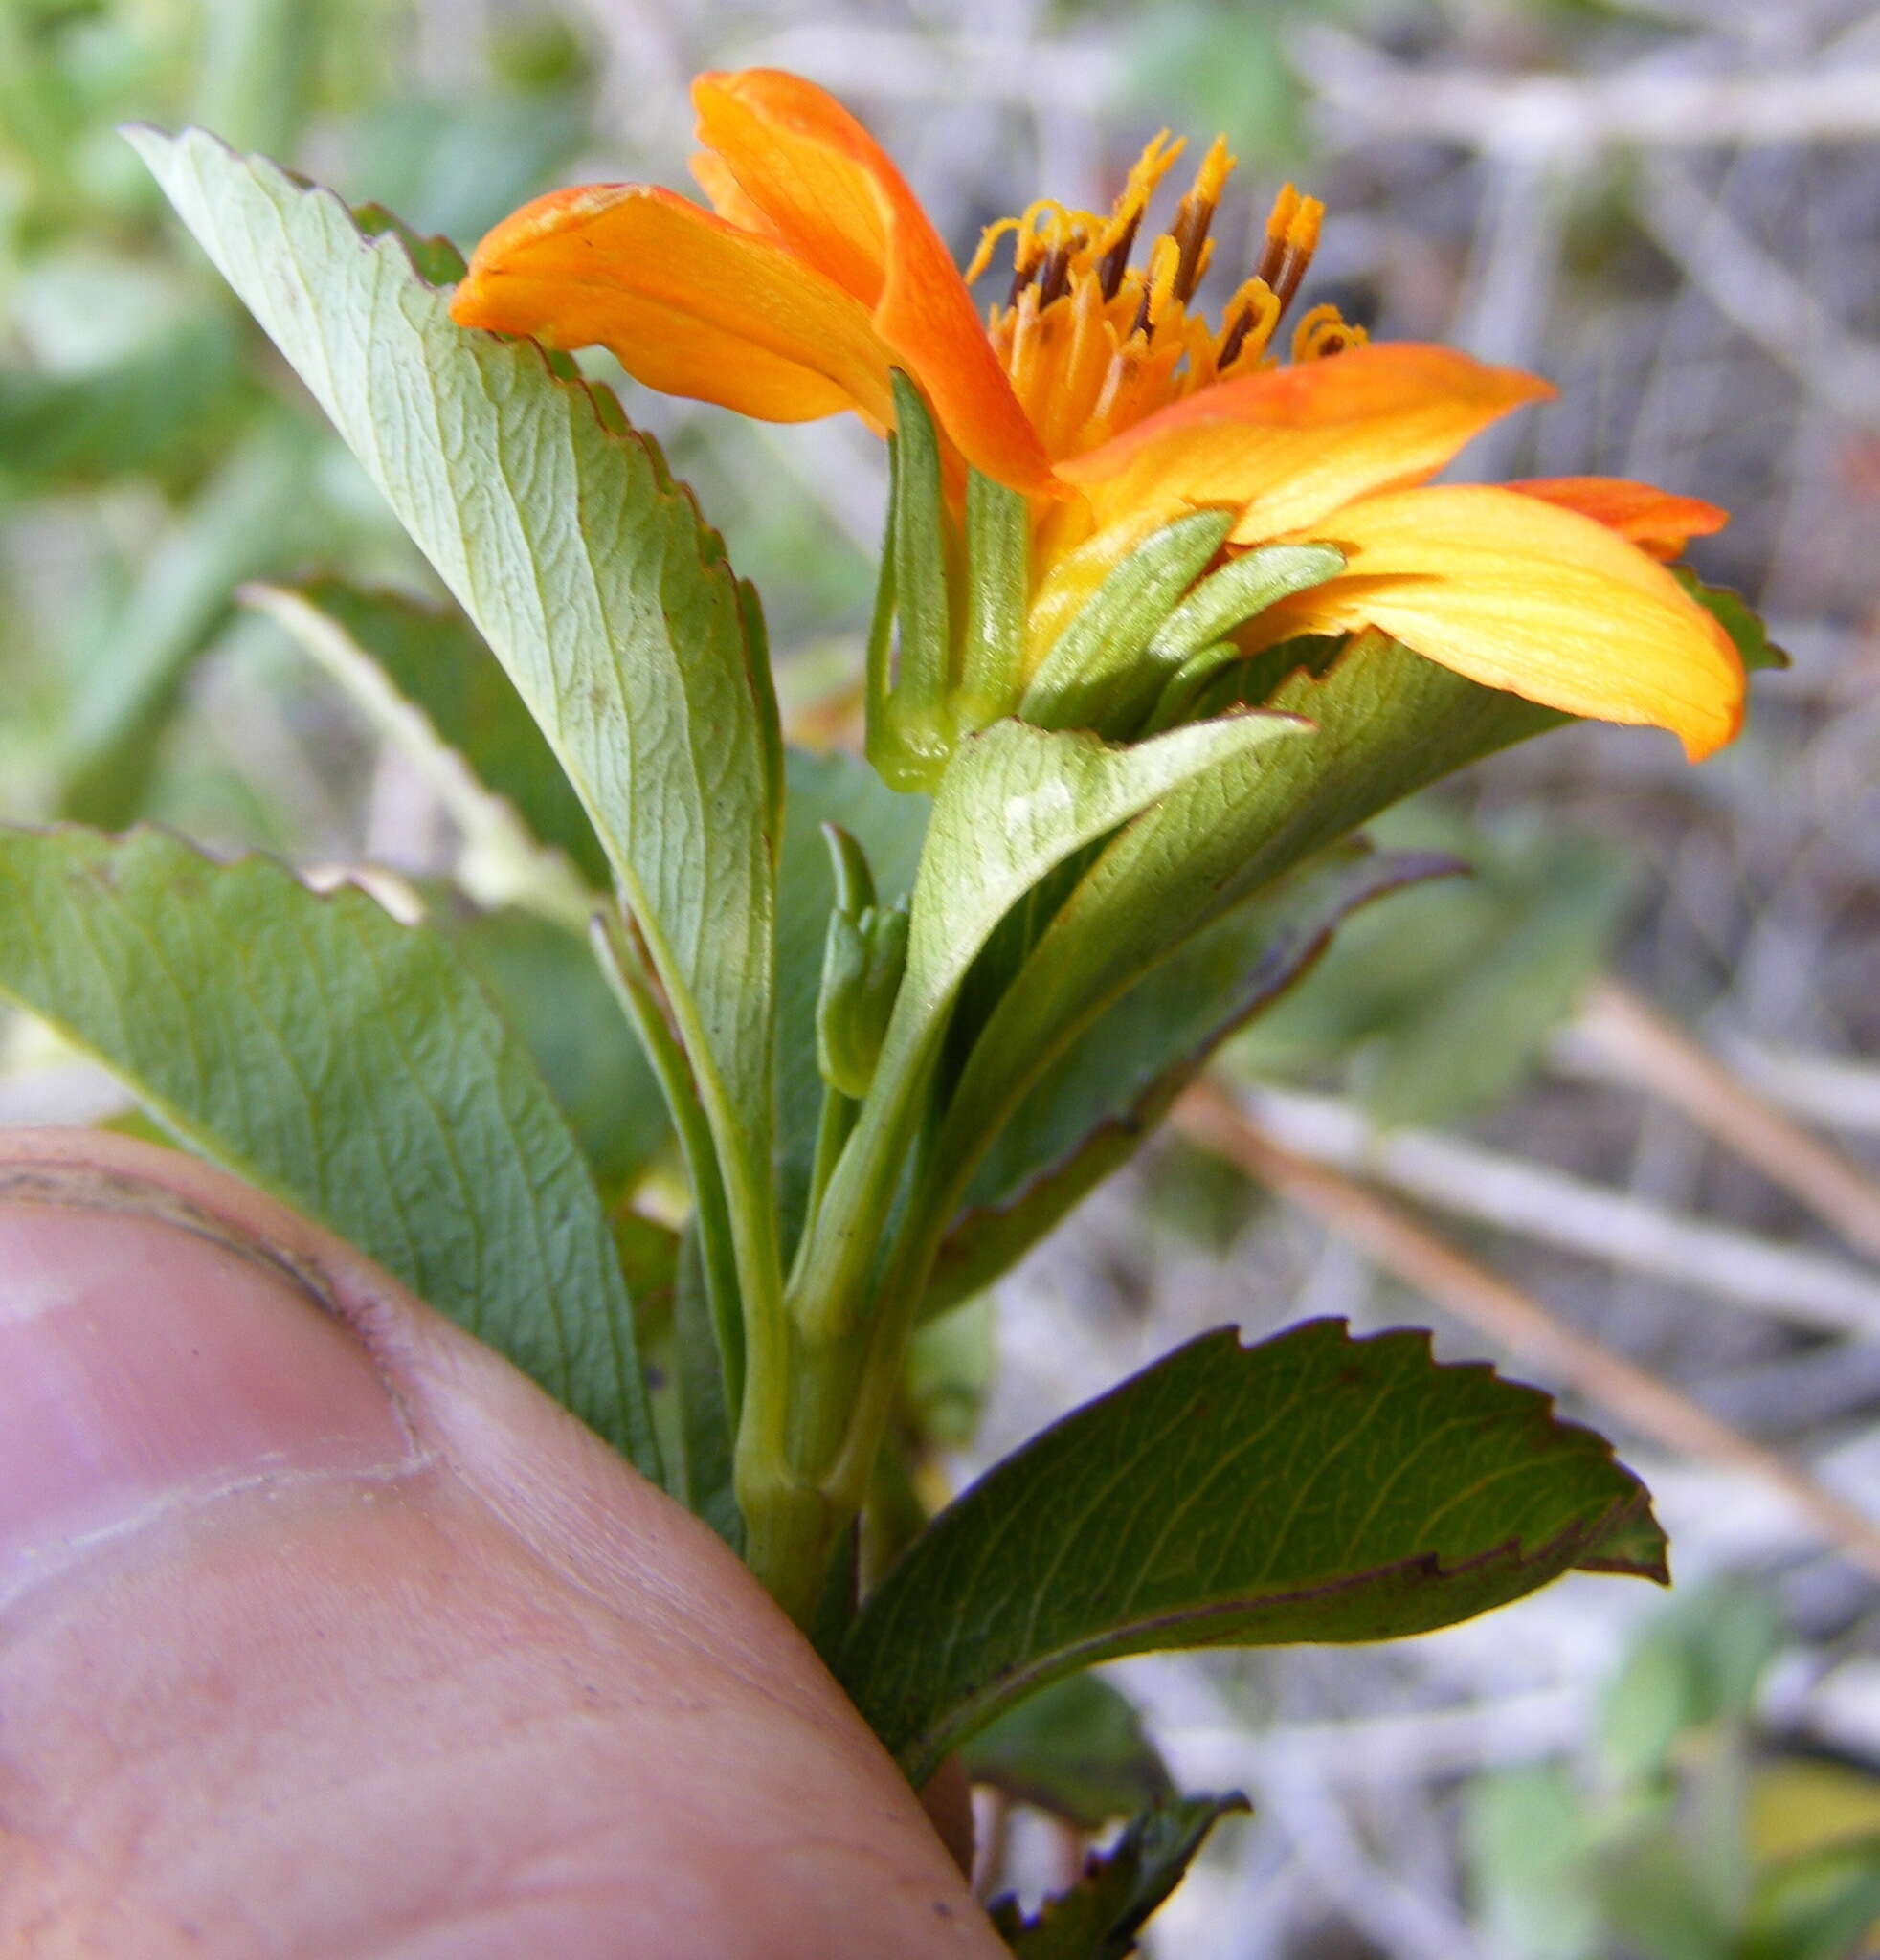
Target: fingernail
{"type": "Point", "coordinates": [144, 1362]}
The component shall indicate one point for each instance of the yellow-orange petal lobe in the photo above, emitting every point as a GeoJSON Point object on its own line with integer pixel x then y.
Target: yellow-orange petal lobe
{"type": "Point", "coordinates": [1521, 595]}
{"type": "Point", "coordinates": [687, 302]}
{"type": "Point", "coordinates": [1656, 521]}
{"type": "Point", "coordinates": [1290, 445]}
{"type": "Point", "coordinates": [831, 194]}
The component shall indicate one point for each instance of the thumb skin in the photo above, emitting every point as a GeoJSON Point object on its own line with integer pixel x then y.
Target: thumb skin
{"type": "Point", "coordinates": [324, 1633]}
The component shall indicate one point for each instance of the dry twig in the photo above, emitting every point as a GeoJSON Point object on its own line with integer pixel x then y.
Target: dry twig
{"type": "Point", "coordinates": [1644, 1048]}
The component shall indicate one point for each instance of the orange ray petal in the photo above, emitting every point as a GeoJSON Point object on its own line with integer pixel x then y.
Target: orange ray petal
{"type": "Point", "coordinates": [1293, 444]}
{"type": "Point", "coordinates": [687, 304]}
{"type": "Point", "coordinates": [830, 193]}
{"type": "Point", "coordinates": [1520, 594]}
{"type": "Point", "coordinates": [1656, 521]}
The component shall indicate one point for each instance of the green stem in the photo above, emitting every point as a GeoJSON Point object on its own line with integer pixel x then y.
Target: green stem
{"type": "Point", "coordinates": [633, 986]}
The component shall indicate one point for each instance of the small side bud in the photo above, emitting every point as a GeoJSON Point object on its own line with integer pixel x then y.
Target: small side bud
{"type": "Point", "coordinates": [864, 958]}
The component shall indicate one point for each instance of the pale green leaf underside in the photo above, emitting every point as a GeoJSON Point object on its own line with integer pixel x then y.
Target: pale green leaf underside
{"type": "Point", "coordinates": [1312, 1488]}
{"type": "Point", "coordinates": [1017, 801]}
{"type": "Point", "coordinates": [347, 1062]}
{"type": "Point", "coordinates": [585, 568]}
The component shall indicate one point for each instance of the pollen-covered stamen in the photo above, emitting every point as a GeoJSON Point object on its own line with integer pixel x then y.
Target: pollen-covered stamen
{"type": "Point", "coordinates": [1293, 236]}
{"type": "Point", "coordinates": [1093, 344]}
{"type": "Point", "coordinates": [1115, 238]}
{"type": "Point", "coordinates": [1194, 215]}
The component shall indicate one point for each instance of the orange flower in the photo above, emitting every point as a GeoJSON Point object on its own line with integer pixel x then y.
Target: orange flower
{"type": "Point", "coordinates": [1101, 394]}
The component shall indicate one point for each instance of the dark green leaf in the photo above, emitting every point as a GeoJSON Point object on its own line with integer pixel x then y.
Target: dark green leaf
{"type": "Point", "coordinates": [589, 573]}
{"type": "Point", "coordinates": [436, 261]}
{"type": "Point", "coordinates": [1312, 1488]}
{"type": "Point", "coordinates": [1076, 1750]}
{"type": "Point", "coordinates": [416, 669]}
{"type": "Point", "coordinates": [349, 1063]}
{"type": "Point", "coordinates": [1103, 1097]}
{"type": "Point", "coordinates": [1101, 1916]}
{"type": "Point", "coordinates": [1821, 1905]}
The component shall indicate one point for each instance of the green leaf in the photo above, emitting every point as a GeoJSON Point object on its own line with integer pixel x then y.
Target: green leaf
{"type": "Point", "coordinates": [1738, 619]}
{"type": "Point", "coordinates": [161, 403]}
{"type": "Point", "coordinates": [1530, 1838]}
{"type": "Point", "coordinates": [1100, 1917]}
{"type": "Point", "coordinates": [586, 570]}
{"type": "Point", "coordinates": [1464, 1047]}
{"type": "Point", "coordinates": [435, 258]}
{"type": "Point", "coordinates": [545, 978]}
{"type": "Point", "coordinates": [425, 678]}
{"type": "Point", "coordinates": [1077, 1749]}
{"type": "Point", "coordinates": [1312, 1488]}
{"type": "Point", "coordinates": [1102, 1099]}
{"type": "Point", "coordinates": [349, 1063]}
{"type": "Point", "coordinates": [704, 1456]}
{"type": "Point", "coordinates": [1387, 722]}
{"type": "Point", "coordinates": [250, 517]}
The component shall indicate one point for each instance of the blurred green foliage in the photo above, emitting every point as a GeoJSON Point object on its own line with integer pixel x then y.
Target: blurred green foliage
{"type": "Point", "coordinates": [1686, 1835]}
{"type": "Point", "coordinates": [1435, 1006]}
{"type": "Point", "coordinates": [153, 456]}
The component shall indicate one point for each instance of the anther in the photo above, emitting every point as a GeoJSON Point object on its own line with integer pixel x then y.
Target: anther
{"type": "Point", "coordinates": [1054, 275]}
{"type": "Point", "coordinates": [1115, 261]}
{"type": "Point", "coordinates": [1193, 217]}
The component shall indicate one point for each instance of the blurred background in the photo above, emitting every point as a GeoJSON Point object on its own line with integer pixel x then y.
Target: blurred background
{"type": "Point", "coordinates": [1608, 1112]}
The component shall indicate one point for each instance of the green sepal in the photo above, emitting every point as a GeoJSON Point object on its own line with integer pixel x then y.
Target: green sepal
{"type": "Point", "coordinates": [912, 743]}
{"type": "Point", "coordinates": [1094, 676]}
{"type": "Point", "coordinates": [1191, 649]}
{"type": "Point", "coordinates": [1100, 1917]}
{"type": "Point", "coordinates": [998, 555]}
{"type": "Point", "coordinates": [1384, 723]}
